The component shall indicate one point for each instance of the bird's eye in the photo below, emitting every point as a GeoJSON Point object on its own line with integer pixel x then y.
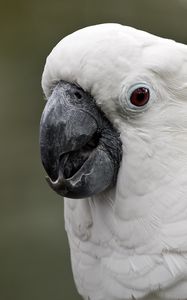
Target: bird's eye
{"type": "Point", "coordinates": [140, 96]}
{"type": "Point", "coordinates": [137, 97]}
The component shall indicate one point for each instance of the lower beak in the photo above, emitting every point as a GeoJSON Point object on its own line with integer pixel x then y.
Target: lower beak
{"type": "Point", "coordinates": [80, 149]}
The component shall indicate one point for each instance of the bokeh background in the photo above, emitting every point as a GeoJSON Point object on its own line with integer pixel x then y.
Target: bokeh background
{"type": "Point", "coordinates": [34, 254]}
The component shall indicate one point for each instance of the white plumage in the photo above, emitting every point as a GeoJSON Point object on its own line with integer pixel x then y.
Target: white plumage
{"type": "Point", "coordinates": [131, 242]}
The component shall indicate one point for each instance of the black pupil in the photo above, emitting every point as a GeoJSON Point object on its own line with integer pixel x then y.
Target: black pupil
{"type": "Point", "coordinates": [140, 96]}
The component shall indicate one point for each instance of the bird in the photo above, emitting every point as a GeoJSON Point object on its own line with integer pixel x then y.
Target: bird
{"type": "Point", "coordinates": [113, 142]}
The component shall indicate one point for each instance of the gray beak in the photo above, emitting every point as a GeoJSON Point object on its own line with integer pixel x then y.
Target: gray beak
{"type": "Point", "coordinates": [80, 149]}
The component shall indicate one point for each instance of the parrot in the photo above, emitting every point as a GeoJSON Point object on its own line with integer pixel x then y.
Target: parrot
{"type": "Point", "coordinates": [113, 143]}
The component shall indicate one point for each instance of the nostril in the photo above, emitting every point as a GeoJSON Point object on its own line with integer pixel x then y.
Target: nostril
{"type": "Point", "coordinates": [78, 95]}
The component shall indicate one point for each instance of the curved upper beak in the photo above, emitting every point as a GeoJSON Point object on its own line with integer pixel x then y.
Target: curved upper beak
{"type": "Point", "coordinates": [72, 143]}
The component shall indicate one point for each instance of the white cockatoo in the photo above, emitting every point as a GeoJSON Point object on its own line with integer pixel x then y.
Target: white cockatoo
{"type": "Point", "coordinates": [113, 139]}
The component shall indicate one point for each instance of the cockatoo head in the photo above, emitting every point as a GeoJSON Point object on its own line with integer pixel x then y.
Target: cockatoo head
{"type": "Point", "coordinates": [117, 97]}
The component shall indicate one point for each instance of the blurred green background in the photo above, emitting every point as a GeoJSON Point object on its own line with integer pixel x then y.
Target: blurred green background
{"type": "Point", "coordinates": [34, 254]}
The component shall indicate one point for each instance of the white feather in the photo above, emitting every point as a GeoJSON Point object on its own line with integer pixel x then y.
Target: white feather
{"type": "Point", "coordinates": [131, 242]}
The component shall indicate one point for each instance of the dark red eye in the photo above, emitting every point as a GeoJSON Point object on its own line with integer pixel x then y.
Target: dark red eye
{"type": "Point", "coordinates": [140, 96]}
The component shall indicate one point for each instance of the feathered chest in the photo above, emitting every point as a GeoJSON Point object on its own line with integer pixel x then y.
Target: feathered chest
{"type": "Point", "coordinates": [126, 256]}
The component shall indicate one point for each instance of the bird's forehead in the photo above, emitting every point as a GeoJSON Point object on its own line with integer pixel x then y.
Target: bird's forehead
{"type": "Point", "coordinates": [94, 56]}
{"type": "Point", "coordinates": [100, 58]}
